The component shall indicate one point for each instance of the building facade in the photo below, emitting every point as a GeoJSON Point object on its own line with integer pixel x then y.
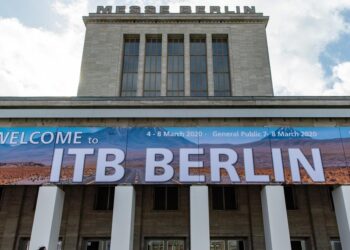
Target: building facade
{"type": "Point", "coordinates": [182, 72]}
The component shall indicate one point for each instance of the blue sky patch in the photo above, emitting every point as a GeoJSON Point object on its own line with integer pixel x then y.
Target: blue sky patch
{"type": "Point", "coordinates": [337, 51]}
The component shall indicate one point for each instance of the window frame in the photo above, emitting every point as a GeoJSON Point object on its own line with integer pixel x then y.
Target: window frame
{"type": "Point", "coordinates": [110, 198]}
{"type": "Point", "coordinates": [133, 91]}
{"type": "Point", "coordinates": [223, 55]}
{"type": "Point", "coordinates": [166, 187]}
{"type": "Point", "coordinates": [333, 241]}
{"type": "Point", "coordinates": [104, 240]}
{"type": "Point", "coordinates": [196, 74]}
{"type": "Point", "coordinates": [165, 241]}
{"type": "Point", "coordinates": [179, 73]}
{"type": "Point", "coordinates": [227, 239]}
{"type": "Point", "coordinates": [305, 242]}
{"type": "Point", "coordinates": [223, 188]}
{"type": "Point", "coordinates": [153, 57]}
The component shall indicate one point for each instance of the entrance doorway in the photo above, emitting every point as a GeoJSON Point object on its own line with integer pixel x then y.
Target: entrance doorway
{"type": "Point", "coordinates": [227, 244]}
{"type": "Point", "coordinates": [97, 244]}
{"type": "Point", "coordinates": [165, 244]}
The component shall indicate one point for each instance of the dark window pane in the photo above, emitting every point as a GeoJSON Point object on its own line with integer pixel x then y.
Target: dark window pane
{"type": "Point", "coordinates": [222, 84]}
{"type": "Point", "coordinates": [296, 245]}
{"type": "Point", "coordinates": [104, 198]}
{"type": "Point", "coordinates": [330, 196]}
{"type": "Point", "coordinates": [92, 245]}
{"type": "Point", "coordinates": [198, 67]}
{"type": "Point", "coordinates": [130, 65]}
{"type": "Point", "coordinates": [111, 198]}
{"type": "Point", "coordinates": [172, 198]}
{"type": "Point", "coordinates": [159, 198]}
{"type": "Point", "coordinates": [230, 198]}
{"type": "Point", "coordinates": [152, 67]}
{"type": "Point", "coordinates": [165, 198]}
{"type": "Point", "coordinates": [175, 85]}
{"type": "Point", "coordinates": [290, 198]}
{"type": "Point", "coordinates": [217, 198]}
{"type": "Point", "coordinates": [241, 245]}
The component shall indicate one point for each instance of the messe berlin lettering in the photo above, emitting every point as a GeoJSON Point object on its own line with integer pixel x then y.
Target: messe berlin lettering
{"type": "Point", "coordinates": [134, 9]}
{"type": "Point", "coordinates": [174, 155]}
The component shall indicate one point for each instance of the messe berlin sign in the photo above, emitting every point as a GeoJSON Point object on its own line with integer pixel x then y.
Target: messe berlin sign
{"type": "Point", "coordinates": [174, 155]}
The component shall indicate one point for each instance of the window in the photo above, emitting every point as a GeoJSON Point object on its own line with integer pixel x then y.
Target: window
{"type": "Point", "coordinates": [165, 244]}
{"type": "Point", "coordinates": [165, 198]}
{"type": "Point", "coordinates": [175, 66]}
{"type": "Point", "coordinates": [298, 244]}
{"type": "Point", "coordinates": [104, 198]}
{"type": "Point", "coordinates": [198, 67]}
{"type": "Point", "coordinates": [130, 66]}
{"type": "Point", "coordinates": [290, 197]}
{"type": "Point", "coordinates": [23, 244]}
{"type": "Point", "coordinates": [153, 66]}
{"type": "Point", "coordinates": [223, 198]}
{"type": "Point", "coordinates": [229, 244]}
{"type": "Point", "coordinates": [97, 244]}
{"type": "Point", "coordinates": [336, 244]}
{"type": "Point", "coordinates": [222, 85]}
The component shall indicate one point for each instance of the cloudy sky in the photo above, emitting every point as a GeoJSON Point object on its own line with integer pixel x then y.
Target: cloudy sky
{"type": "Point", "coordinates": [41, 44]}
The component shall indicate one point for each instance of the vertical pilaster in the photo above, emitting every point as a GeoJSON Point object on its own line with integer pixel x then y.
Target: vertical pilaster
{"type": "Point", "coordinates": [199, 218]}
{"type": "Point", "coordinates": [275, 218]}
{"type": "Point", "coordinates": [120, 62]}
{"type": "Point", "coordinates": [317, 219]}
{"type": "Point", "coordinates": [341, 198]}
{"type": "Point", "coordinates": [122, 237]}
{"type": "Point", "coordinates": [12, 203]}
{"type": "Point", "coordinates": [164, 64]}
{"type": "Point", "coordinates": [210, 74]}
{"type": "Point", "coordinates": [187, 65]}
{"type": "Point", "coordinates": [71, 237]}
{"type": "Point", "coordinates": [47, 218]}
{"type": "Point", "coordinates": [141, 67]}
{"type": "Point", "coordinates": [231, 65]}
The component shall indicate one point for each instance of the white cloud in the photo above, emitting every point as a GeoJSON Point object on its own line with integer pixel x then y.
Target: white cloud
{"type": "Point", "coordinates": [41, 62]}
{"type": "Point", "coordinates": [35, 62]}
{"type": "Point", "coordinates": [340, 80]}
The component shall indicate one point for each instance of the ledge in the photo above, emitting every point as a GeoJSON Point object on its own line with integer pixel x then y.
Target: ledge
{"type": "Point", "coordinates": [166, 107]}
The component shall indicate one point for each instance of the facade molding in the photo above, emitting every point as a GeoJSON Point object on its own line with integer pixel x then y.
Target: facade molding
{"type": "Point", "coordinates": [174, 113]}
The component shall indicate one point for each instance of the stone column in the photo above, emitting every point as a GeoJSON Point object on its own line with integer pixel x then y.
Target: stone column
{"type": "Point", "coordinates": [122, 237]}
{"type": "Point", "coordinates": [210, 73]}
{"type": "Point", "coordinates": [187, 65]}
{"type": "Point", "coordinates": [199, 218]}
{"type": "Point", "coordinates": [141, 68]}
{"type": "Point", "coordinates": [341, 198]}
{"type": "Point", "coordinates": [275, 218]}
{"type": "Point", "coordinates": [164, 64]}
{"type": "Point", "coordinates": [47, 218]}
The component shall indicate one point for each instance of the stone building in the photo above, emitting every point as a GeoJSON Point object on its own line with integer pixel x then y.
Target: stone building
{"type": "Point", "coordinates": [178, 70]}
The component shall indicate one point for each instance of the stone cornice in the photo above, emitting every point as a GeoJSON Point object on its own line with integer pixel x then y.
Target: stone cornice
{"type": "Point", "coordinates": [166, 102]}
{"type": "Point", "coordinates": [175, 18]}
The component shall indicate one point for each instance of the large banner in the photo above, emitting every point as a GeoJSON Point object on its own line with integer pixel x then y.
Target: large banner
{"type": "Point", "coordinates": [174, 155]}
